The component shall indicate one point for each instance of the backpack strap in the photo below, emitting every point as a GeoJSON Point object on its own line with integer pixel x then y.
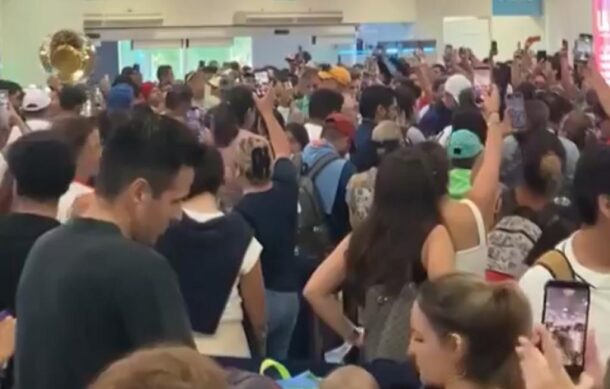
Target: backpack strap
{"type": "Point", "coordinates": [317, 167]}
{"type": "Point", "coordinates": [556, 263]}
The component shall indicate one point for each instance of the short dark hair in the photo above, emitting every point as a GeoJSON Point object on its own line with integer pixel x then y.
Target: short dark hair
{"type": "Point", "coordinates": [323, 102]}
{"type": "Point", "coordinates": [75, 131]}
{"type": "Point", "coordinates": [162, 71]}
{"type": "Point", "coordinates": [406, 100]}
{"type": "Point", "coordinates": [11, 87]}
{"type": "Point", "coordinates": [374, 96]}
{"type": "Point", "coordinates": [71, 97]}
{"type": "Point", "coordinates": [537, 115]}
{"type": "Point", "coordinates": [592, 179]}
{"type": "Point", "coordinates": [240, 101]}
{"type": "Point", "coordinates": [209, 173]}
{"type": "Point", "coordinates": [153, 148]}
{"type": "Point", "coordinates": [42, 164]}
{"type": "Point", "coordinates": [177, 96]}
{"type": "Point", "coordinates": [223, 124]}
{"type": "Point", "coordinates": [471, 119]}
{"type": "Point", "coordinates": [299, 132]}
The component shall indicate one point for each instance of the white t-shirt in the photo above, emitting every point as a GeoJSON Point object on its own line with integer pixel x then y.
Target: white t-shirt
{"type": "Point", "coordinates": [314, 131]}
{"type": "Point", "coordinates": [64, 209]}
{"type": "Point", "coordinates": [233, 310]}
{"type": "Point", "coordinates": [534, 280]}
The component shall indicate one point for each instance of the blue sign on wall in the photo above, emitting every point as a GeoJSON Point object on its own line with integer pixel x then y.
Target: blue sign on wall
{"type": "Point", "coordinates": [517, 8]}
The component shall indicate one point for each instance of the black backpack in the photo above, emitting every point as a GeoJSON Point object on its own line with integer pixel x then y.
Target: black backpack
{"type": "Point", "coordinates": [313, 239]}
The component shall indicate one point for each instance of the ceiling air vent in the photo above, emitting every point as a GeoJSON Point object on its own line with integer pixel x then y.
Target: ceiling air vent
{"type": "Point", "coordinates": [287, 19]}
{"type": "Point", "coordinates": [122, 20]}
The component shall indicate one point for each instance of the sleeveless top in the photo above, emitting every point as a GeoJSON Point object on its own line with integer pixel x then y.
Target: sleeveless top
{"type": "Point", "coordinates": [474, 260]}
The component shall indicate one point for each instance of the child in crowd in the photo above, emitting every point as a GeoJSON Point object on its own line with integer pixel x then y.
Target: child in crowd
{"type": "Point", "coordinates": [349, 377]}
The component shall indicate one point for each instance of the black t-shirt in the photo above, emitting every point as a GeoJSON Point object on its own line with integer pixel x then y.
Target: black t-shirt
{"type": "Point", "coordinates": [18, 232]}
{"type": "Point", "coordinates": [273, 216]}
{"type": "Point", "coordinates": [87, 297]}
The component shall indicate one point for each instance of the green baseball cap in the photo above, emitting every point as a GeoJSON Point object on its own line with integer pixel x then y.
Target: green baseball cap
{"type": "Point", "coordinates": [464, 144]}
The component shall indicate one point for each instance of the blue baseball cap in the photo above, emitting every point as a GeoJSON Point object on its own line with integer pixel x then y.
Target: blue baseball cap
{"type": "Point", "coordinates": [120, 97]}
{"type": "Point", "coordinates": [464, 144]}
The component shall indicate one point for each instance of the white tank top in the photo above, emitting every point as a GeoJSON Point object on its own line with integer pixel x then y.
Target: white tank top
{"type": "Point", "coordinates": [474, 260]}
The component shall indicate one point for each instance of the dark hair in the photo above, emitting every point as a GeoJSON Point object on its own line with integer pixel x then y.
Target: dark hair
{"type": "Point", "coordinates": [178, 95]}
{"type": "Point", "coordinates": [537, 116]}
{"type": "Point", "coordinates": [558, 105]}
{"type": "Point", "coordinates": [406, 101]}
{"type": "Point", "coordinates": [490, 317]}
{"type": "Point", "coordinates": [109, 121]}
{"type": "Point", "coordinates": [386, 248]}
{"type": "Point", "coordinates": [541, 173]}
{"type": "Point", "coordinates": [299, 133]}
{"type": "Point", "coordinates": [439, 162]}
{"type": "Point", "coordinates": [42, 164]}
{"type": "Point", "coordinates": [223, 124]}
{"type": "Point", "coordinates": [162, 71]}
{"type": "Point", "coordinates": [209, 173]}
{"type": "Point", "coordinates": [153, 148]}
{"type": "Point", "coordinates": [373, 97]}
{"type": "Point", "coordinates": [578, 128]}
{"type": "Point", "coordinates": [467, 99]}
{"type": "Point", "coordinates": [11, 87]}
{"type": "Point", "coordinates": [240, 101]}
{"type": "Point", "coordinates": [592, 179]}
{"type": "Point", "coordinates": [440, 67]}
{"type": "Point", "coordinates": [323, 102]}
{"type": "Point", "coordinates": [75, 131]}
{"type": "Point", "coordinates": [70, 97]}
{"type": "Point", "coordinates": [465, 118]}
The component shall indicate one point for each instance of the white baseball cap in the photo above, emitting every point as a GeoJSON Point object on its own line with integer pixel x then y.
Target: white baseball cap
{"type": "Point", "coordinates": [35, 100]}
{"type": "Point", "coordinates": [456, 84]}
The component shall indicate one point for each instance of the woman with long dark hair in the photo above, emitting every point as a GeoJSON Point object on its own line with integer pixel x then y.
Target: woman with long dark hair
{"type": "Point", "coordinates": [400, 244]}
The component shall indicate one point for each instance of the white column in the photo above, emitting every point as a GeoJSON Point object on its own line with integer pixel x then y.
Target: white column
{"type": "Point", "coordinates": [566, 19]}
{"type": "Point", "coordinates": [23, 26]}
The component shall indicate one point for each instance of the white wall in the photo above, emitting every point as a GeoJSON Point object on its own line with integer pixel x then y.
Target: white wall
{"type": "Point", "coordinates": [40, 18]}
{"type": "Point", "coordinates": [508, 30]}
{"type": "Point", "coordinates": [566, 19]}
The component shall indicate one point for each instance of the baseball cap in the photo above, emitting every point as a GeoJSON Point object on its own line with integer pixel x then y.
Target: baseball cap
{"type": "Point", "coordinates": [337, 73]}
{"type": "Point", "coordinates": [35, 100]}
{"type": "Point", "coordinates": [385, 131]}
{"type": "Point", "coordinates": [464, 144]}
{"type": "Point", "coordinates": [147, 88]}
{"type": "Point", "coordinates": [120, 97]}
{"type": "Point", "coordinates": [342, 124]}
{"type": "Point", "coordinates": [456, 84]}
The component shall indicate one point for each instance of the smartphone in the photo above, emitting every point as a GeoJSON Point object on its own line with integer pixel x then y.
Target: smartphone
{"type": "Point", "coordinates": [583, 48]}
{"type": "Point", "coordinates": [261, 82]}
{"type": "Point", "coordinates": [4, 111]}
{"type": "Point", "coordinates": [541, 56]}
{"type": "Point", "coordinates": [566, 315]}
{"type": "Point", "coordinates": [515, 104]}
{"type": "Point", "coordinates": [482, 78]}
{"type": "Point", "coordinates": [494, 48]}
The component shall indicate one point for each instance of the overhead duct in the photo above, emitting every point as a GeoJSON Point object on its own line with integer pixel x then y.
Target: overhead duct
{"type": "Point", "coordinates": [287, 18]}
{"type": "Point", "coordinates": [122, 20]}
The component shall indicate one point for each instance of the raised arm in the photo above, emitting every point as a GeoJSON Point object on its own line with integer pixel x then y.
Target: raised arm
{"type": "Point", "coordinates": [277, 136]}
{"type": "Point", "coordinates": [321, 289]}
{"type": "Point", "coordinates": [597, 82]}
{"type": "Point", "coordinates": [485, 187]}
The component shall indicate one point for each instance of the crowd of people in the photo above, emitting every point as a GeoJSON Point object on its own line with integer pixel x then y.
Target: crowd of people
{"type": "Point", "coordinates": [402, 212]}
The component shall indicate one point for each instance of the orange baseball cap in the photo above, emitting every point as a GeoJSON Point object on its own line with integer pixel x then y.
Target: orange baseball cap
{"type": "Point", "coordinates": [337, 73]}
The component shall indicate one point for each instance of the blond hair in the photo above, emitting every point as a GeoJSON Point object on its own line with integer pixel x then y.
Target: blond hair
{"type": "Point", "coordinates": [163, 368]}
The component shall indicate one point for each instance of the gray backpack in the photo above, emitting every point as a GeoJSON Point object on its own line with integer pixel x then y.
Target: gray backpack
{"type": "Point", "coordinates": [386, 322]}
{"type": "Point", "coordinates": [313, 239]}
